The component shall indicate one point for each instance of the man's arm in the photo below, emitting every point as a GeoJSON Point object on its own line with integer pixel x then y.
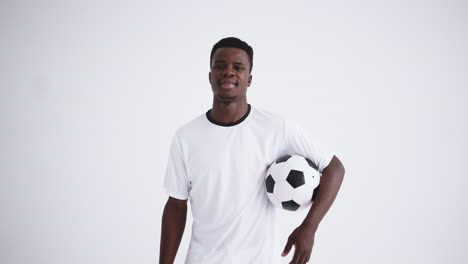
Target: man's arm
{"type": "Point", "coordinates": [172, 229]}
{"type": "Point", "coordinates": [303, 237]}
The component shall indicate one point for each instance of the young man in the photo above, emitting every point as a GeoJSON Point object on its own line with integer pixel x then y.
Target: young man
{"type": "Point", "coordinates": [219, 161]}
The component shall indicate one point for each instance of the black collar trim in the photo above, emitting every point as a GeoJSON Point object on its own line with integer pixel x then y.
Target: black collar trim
{"type": "Point", "coordinates": [228, 124]}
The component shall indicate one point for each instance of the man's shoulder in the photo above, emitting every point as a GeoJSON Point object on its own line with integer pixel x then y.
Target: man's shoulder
{"type": "Point", "coordinates": [261, 115]}
{"type": "Point", "coordinates": [189, 127]}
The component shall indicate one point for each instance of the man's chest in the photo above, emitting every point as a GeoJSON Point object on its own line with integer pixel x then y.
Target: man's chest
{"type": "Point", "coordinates": [243, 155]}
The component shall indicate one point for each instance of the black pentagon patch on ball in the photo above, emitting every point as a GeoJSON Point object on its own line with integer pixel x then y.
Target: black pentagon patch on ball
{"type": "Point", "coordinates": [290, 205]}
{"type": "Point", "coordinates": [312, 164]}
{"type": "Point", "coordinates": [295, 178]}
{"type": "Point", "coordinates": [270, 184]}
{"type": "Point", "coordinates": [283, 159]}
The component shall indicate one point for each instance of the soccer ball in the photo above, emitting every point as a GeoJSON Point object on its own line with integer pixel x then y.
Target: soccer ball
{"type": "Point", "coordinates": [292, 182]}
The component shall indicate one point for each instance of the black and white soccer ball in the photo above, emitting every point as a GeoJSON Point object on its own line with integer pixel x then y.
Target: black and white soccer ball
{"type": "Point", "coordinates": [292, 182]}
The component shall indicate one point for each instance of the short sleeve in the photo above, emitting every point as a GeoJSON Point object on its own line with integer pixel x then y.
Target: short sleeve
{"type": "Point", "coordinates": [176, 183]}
{"type": "Point", "coordinates": [299, 142]}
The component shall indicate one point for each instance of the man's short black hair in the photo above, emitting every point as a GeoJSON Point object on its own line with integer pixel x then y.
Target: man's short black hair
{"type": "Point", "coordinates": [233, 42]}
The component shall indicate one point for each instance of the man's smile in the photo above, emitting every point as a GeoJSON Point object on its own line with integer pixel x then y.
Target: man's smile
{"type": "Point", "coordinates": [228, 83]}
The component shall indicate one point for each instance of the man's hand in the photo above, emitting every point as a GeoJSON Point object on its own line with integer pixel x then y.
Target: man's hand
{"type": "Point", "coordinates": [303, 240]}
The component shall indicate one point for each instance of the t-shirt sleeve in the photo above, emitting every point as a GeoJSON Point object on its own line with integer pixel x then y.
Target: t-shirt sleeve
{"type": "Point", "coordinates": [299, 142]}
{"type": "Point", "coordinates": [176, 182]}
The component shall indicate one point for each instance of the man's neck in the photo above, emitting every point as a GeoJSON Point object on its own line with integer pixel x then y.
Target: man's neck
{"type": "Point", "coordinates": [228, 112]}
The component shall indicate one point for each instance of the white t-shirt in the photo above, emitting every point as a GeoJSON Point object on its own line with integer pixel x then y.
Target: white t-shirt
{"type": "Point", "coordinates": [221, 169]}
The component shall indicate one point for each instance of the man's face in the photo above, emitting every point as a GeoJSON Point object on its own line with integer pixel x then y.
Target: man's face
{"type": "Point", "coordinates": [230, 76]}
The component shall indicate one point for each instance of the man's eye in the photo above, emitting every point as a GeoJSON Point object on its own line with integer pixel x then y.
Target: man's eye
{"type": "Point", "coordinates": [217, 67]}
{"type": "Point", "coordinates": [238, 68]}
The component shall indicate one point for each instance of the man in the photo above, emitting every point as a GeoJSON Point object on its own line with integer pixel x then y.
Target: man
{"type": "Point", "coordinates": [219, 161]}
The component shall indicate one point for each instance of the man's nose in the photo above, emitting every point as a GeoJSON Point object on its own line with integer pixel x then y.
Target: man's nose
{"type": "Point", "coordinates": [228, 71]}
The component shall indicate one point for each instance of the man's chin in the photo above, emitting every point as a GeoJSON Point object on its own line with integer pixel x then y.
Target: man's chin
{"type": "Point", "coordinates": [226, 99]}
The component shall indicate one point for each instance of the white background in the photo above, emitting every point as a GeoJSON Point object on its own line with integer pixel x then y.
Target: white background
{"type": "Point", "coordinates": [92, 92]}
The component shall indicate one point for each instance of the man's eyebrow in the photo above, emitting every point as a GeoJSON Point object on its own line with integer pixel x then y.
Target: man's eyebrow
{"type": "Point", "coordinates": [222, 61]}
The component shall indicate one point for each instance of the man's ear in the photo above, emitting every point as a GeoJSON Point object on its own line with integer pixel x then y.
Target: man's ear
{"type": "Point", "coordinates": [250, 80]}
{"type": "Point", "coordinates": [209, 77]}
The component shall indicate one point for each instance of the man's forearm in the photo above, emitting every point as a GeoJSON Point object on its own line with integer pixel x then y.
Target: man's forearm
{"type": "Point", "coordinates": [172, 229]}
{"type": "Point", "coordinates": [330, 182]}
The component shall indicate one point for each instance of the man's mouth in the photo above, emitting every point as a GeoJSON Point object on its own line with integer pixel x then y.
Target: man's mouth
{"type": "Point", "coordinates": [228, 83]}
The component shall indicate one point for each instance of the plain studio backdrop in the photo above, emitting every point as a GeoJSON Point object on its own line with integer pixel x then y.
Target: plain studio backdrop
{"type": "Point", "coordinates": [92, 92]}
